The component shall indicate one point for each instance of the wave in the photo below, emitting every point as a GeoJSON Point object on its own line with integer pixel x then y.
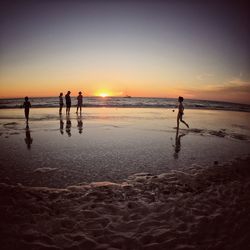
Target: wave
{"type": "Point", "coordinates": [120, 102]}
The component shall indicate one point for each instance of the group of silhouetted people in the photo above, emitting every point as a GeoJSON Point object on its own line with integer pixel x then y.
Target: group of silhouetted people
{"type": "Point", "coordinates": [68, 102]}
{"type": "Point", "coordinates": [27, 105]}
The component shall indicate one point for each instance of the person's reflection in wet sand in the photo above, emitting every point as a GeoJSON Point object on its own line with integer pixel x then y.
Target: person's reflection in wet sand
{"type": "Point", "coordinates": [28, 139]}
{"type": "Point", "coordinates": [61, 125]}
{"type": "Point", "coordinates": [177, 146]}
{"type": "Point", "coordinates": [68, 126]}
{"type": "Point", "coordinates": [79, 124]}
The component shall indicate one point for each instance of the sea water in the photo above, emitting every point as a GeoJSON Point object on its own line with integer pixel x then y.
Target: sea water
{"type": "Point", "coordinates": [134, 102]}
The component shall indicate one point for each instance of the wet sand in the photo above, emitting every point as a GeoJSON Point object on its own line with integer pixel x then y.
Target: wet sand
{"type": "Point", "coordinates": [109, 144]}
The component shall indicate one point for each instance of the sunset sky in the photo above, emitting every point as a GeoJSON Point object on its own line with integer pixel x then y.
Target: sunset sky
{"type": "Point", "coordinates": [140, 48]}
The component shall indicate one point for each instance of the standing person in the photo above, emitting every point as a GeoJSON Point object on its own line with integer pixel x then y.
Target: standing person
{"type": "Point", "coordinates": [180, 112]}
{"type": "Point", "coordinates": [60, 103]}
{"type": "Point", "coordinates": [68, 102]}
{"type": "Point", "coordinates": [26, 106]}
{"type": "Point", "coordinates": [79, 102]}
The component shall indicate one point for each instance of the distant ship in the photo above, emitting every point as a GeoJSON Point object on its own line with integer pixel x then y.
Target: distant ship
{"type": "Point", "coordinates": [127, 96]}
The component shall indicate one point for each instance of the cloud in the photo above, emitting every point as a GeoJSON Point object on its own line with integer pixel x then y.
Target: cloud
{"type": "Point", "coordinates": [239, 81]}
{"type": "Point", "coordinates": [234, 90]}
{"type": "Point", "coordinates": [235, 85]}
{"type": "Point", "coordinates": [204, 76]}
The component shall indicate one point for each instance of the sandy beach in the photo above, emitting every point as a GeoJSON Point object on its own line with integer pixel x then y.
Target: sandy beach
{"type": "Point", "coordinates": [122, 179]}
{"type": "Point", "coordinates": [197, 208]}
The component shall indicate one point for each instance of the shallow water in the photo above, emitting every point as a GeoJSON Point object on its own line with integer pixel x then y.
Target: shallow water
{"type": "Point", "coordinates": [119, 102]}
{"type": "Point", "coordinates": [113, 143]}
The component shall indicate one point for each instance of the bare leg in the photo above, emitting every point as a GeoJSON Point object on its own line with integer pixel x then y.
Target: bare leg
{"type": "Point", "coordinates": [178, 123]}
{"type": "Point", "coordinates": [27, 116]}
{"type": "Point", "coordinates": [183, 121]}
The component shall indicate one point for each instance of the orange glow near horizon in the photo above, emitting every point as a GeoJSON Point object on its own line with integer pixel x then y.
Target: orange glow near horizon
{"type": "Point", "coordinates": [120, 88]}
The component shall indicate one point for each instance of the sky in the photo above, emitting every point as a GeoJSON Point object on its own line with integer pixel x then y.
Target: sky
{"type": "Point", "coordinates": [197, 49]}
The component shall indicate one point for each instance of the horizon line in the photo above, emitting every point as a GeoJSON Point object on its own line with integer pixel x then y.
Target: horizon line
{"type": "Point", "coordinates": [93, 96]}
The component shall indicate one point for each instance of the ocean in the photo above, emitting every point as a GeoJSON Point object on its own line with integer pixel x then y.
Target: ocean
{"type": "Point", "coordinates": [134, 102]}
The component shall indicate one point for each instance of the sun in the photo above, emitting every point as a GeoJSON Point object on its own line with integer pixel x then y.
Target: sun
{"type": "Point", "coordinates": [103, 95]}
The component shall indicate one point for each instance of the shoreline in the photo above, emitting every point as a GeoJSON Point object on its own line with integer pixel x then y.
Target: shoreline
{"type": "Point", "coordinates": [112, 144]}
{"type": "Point", "coordinates": [194, 208]}
{"type": "Point", "coordinates": [130, 107]}
{"type": "Point", "coordinates": [134, 102]}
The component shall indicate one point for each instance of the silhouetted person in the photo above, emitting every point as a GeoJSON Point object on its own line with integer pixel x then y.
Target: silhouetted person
{"type": "Point", "coordinates": [68, 126]}
{"type": "Point", "coordinates": [28, 139]}
{"type": "Point", "coordinates": [60, 103]}
{"type": "Point", "coordinates": [68, 102]}
{"type": "Point", "coordinates": [79, 124]}
{"type": "Point", "coordinates": [180, 112]}
{"type": "Point", "coordinates": [61, 125]}
{"type": "Point", "coordinates": [177, 146]}
{"type": "Point", "coordinates": [79, 102]}
{"type": "Point", "coordinates": [26, 106]}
